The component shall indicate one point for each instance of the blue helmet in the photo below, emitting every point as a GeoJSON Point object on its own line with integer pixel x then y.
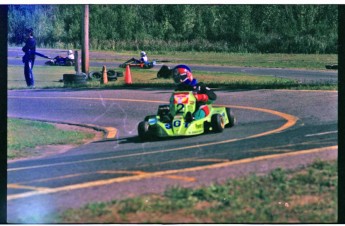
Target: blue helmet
{"type": "Point", "coordinates": [183, 74]}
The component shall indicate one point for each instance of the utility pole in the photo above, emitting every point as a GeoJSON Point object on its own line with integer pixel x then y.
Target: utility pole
{"type": "Point", "coordinates": [85, 40]}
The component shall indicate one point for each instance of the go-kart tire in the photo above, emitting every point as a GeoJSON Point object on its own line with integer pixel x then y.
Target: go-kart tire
{"type": "Point", "coordinates": [143, 130]}
{"type": "Point", "coordinates": [49, 63]}
{"type": "Point", "coordinates": [332, 66]}
{"type": "Point", "coordinates": [217, 123]}
{"type": "Point", "coordinates": [112, 76]}
{"type": "Point", "coordinates": [95, 75]}
{"type": "Point", "coordinates": [70, 79]}
{"type": "Point", "coordinates": [231, 117]}
{"type": "Point", "coordinates": [119, 74]}
{"type": "Point", "coordinates": [69, 63]}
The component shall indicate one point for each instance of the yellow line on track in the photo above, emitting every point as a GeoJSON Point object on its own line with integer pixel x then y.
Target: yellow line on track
{"type": "Point", "coordinates": [89, 98]}
{"type": "Point", "coordinates": [111, 132]}
{"type": "Point", "coordinates": [19, 186]}
{"type": "Point", "coordinates": [174, 177]}
{"type": "Point", "coordinates": [165, 173]}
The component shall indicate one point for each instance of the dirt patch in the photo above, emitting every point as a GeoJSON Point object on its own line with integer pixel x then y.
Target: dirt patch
{"type": "Point", "coordinates": [303, 200]}
{"type": "Point", "coordinates": [47, 150]}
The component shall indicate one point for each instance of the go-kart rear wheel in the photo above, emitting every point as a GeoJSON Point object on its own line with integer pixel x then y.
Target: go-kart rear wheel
{"type": "Point", "coordinates": [231, 117]}
{"type": "Point", "coordinates": [50, 63]}
{"type": "Point", "coordinates": [217, 123]}
{"type": "Point", "coordinates": [69, 63]}
{"type": "Point", "coordinates": [143, 130]}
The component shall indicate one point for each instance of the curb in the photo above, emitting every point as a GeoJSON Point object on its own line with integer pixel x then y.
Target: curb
{"type": "Point", "coordinates": [108, 132]}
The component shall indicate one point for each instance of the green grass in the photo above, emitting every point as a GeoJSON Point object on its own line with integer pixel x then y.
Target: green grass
{"type": "Point", "coordinates": [48, 77]}
{"type": "Point", "coordinates": [307, 195]}
{"type": "Point", "coordinates": [45, 76]}
{"type": "Point", "coordinates": [300, 61]}
{"type": "Point", "coordinates": [24, 135]}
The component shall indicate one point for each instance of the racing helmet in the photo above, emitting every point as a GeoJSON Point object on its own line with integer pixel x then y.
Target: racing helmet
{"type": "Point", "coordinates": [181, 73]}
{"type": "Point", "coordinates": [70, 52]}
{"type": "Point", "coordinates": [142, 53]}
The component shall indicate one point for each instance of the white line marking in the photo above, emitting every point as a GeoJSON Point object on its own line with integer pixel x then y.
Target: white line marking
{"type": "Point", "coordinates": [320, 134]}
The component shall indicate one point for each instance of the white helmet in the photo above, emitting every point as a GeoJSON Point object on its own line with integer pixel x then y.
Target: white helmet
{"type": "Point", "coordinates": [142, 53]}
{"type": "Point", "coordinates": [70, 52]}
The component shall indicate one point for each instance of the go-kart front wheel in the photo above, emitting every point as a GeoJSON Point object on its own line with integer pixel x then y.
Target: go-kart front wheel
{"type": "Point", "coordinates": [217, 123]}
{"type": "Point", "coordinates": [143, 130]}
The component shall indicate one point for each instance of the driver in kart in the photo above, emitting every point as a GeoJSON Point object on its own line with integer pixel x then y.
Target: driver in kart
{"type": "Point", "coordinates": [143, 58]}
{"type": "Point", "coordinates": [183, 77]}
{"type": "Point", "coordinates": [70, 55]}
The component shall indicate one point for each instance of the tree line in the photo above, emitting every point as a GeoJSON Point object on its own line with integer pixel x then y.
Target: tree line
{"type": "Point", "coordinates": [219, 28]}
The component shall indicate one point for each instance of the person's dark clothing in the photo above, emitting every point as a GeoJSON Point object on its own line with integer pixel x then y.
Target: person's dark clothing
{"type": "Point", "coordinates": [29, 59]}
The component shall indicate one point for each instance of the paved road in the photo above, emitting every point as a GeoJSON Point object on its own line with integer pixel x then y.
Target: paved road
{"type": "Point", "coordinates": [304, 76]}
{"type": "Point", "coordinates": [269, 122]}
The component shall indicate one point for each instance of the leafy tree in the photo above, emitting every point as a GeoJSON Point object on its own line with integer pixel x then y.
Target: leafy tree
{"type": "Point", "coordinates": [236, 28]}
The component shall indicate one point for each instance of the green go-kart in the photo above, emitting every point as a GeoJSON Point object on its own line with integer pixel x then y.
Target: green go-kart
{"type": "Point", "coordinates": [176, 120]}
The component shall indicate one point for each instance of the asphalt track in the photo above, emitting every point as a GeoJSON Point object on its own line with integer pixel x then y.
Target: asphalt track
{"type": "Point", "coordinates": [275, 128]}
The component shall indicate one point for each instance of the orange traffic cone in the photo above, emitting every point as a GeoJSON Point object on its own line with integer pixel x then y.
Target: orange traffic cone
{"type": "Point", "coordinates": [104, 79]}
{"type": "Point", "coordinates": [128, 76]}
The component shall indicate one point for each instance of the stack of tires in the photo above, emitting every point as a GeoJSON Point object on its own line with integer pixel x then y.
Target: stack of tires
{"type": "Point", "coordinates": [74, 79]}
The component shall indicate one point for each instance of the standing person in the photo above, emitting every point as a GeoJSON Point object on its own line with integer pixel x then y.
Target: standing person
{"type": "Point", "coordinates": [29, 58]}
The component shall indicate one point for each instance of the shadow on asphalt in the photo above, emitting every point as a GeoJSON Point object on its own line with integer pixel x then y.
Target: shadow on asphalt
{"type": "Point", "coordinates": [137, 140]}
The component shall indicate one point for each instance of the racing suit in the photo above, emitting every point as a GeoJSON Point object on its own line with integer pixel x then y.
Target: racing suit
{"type": "Point", "coordinates": [203, 95]}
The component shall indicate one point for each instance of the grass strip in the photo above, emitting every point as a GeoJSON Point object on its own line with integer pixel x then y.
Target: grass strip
{"type": "Point", "coordinates": [24, 135]}
{"type": "Point", "coordinates": [278, 60]}
{"type": "Point", "coordinates": [49, 77]}
{"type": "Point", "coordinates": [307, 195]}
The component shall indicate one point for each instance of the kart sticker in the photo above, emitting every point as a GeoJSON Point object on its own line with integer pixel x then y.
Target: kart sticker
{"type": "Point", "coordinates": [152, 121]}
{"type": "Point", "coordinates": [181, 98]}
{"type": "Point", "coordinates": [177, 123]}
